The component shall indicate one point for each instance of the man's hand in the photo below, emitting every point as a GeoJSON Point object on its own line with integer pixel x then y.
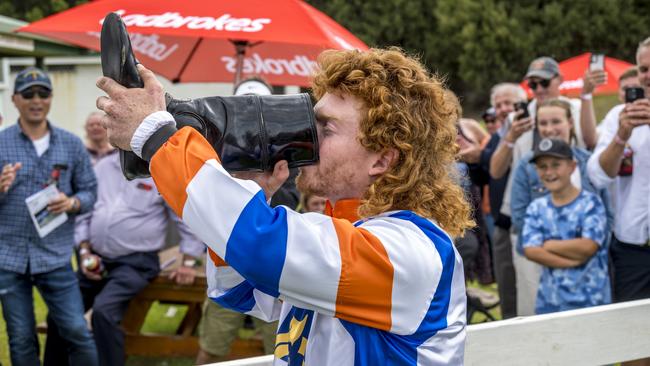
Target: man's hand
{"type": "Point", "coordinates": [183, 275]}
{"type": "Point", "coordinates": [61, 203]}
{"type": "Point", "coordinates": [592, 80]}
{"type": "Point", "coordinates": [127, 108]}
{"type": "Point", "coordinates": [633, 115]}
{"type": "Point", "coordinates": [8, 176]}
{"type": "Point", "coordinates": [269, 181]}
{"type": "Point", "coordinates": [518, 127]}
{"type": "Point", "coordinates": [91, 275]}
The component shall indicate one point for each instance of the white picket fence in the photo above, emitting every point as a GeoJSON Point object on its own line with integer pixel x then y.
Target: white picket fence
{"type": "Point", "coordinates": [595, 336]}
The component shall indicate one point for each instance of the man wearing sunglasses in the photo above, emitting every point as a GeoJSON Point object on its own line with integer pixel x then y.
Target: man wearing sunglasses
{"type": "Point", "coordinates": [35, 154]}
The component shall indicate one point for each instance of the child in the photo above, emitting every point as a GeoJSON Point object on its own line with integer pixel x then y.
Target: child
{"type": "Point", "coordinates": [565, 231]}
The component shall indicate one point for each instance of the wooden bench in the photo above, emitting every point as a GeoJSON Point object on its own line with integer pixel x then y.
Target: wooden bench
{"type": "Point", "coordinates": [184, 342]}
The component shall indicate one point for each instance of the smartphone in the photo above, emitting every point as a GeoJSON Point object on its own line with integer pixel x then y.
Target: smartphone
{"type": "Point", "coordinates": [522, 106]}
{"type": "Point", "coordinates": [632, 94]}
{"type": "Point", "coordinates": [597, 61]}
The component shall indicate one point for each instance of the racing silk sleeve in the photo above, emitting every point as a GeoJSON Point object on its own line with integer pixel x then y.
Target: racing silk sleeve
{"type": "Point", "coordinates": [382, 274]}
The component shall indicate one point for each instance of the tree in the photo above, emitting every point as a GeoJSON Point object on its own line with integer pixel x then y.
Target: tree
{"type": "Point", "coordinates": [473, 43]}
{"type": "Point", "coordinates": [31, 10]}
{"type": "Point", "coordinates": [478, 43]}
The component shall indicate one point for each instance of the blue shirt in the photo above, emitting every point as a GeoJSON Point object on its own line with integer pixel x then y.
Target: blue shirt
{"type": "Point", "coordinates": [20, 246]}
{"type": "Point", "coordinates": [526, 187]}
{"type": "Point", "coordinates": [578, 287]}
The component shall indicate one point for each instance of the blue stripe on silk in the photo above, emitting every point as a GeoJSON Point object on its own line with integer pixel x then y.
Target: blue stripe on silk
{"type": "Point", "coordinates": [377, 347]}
{"type": "Point", "coordinates": [257, 245]}
{"type": "Point", "coordinates": [239, 298]}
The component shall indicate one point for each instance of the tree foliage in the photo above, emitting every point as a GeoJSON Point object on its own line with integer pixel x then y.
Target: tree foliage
{"type": "Point", "coordinates": [31, 10]}
{"type": "Point", "coordinates": [473, 43]}
{"type": "Point", "coordinates": [478, 43]}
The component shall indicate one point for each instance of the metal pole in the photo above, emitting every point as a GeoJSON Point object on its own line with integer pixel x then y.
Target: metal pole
{"type": "Point", "coordinates": [240, 49]}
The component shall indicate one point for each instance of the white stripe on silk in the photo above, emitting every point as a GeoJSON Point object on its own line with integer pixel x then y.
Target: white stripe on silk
{"type": "Point", "coordinates": [312, 267]}
{"type": "Point", "coordinates": [417, 270]}
{"type": "Point", "coordinates": [214, 203]}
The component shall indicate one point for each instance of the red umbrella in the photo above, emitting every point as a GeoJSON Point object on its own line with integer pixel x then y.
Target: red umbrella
{"type": "Point", "coordinates": [192, 40]}
{"type": "Point", "coordinates": [573, 70]}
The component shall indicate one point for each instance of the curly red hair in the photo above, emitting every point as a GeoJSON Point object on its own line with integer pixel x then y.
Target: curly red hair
{"type": "Point", "coordinates": [408, 110]}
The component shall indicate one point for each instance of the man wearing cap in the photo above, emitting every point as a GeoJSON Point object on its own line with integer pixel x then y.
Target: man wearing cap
{"type": "Point", "coordinates": [34, 154]}
{"type": "Point", "coordinates": [492, 124]}
{"type": "Point", "coordinates": [544, 80]}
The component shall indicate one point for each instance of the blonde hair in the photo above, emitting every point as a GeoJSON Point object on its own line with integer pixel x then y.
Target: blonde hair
{"type": "Point", "coordinates": [573, 138]}
{"type": "Point", "coordinates": [410, 111]}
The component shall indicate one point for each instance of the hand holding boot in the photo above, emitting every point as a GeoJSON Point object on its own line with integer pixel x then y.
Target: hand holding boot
{"type": "Point", "coordinates": [126, 108]}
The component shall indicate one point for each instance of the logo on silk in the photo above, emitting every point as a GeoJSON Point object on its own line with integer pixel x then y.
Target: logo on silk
{"type": "Point", "coordinates": [293, 334]}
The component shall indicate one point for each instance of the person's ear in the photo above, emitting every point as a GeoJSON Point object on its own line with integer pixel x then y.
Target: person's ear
{"type": "Point", "coordinates": [385, 160]}
{"type": "Point", "coordinates": [573, 164]}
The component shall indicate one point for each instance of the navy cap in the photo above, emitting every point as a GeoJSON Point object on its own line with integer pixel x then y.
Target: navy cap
{"type": "Point", "coordinates": [552, 147]}
{"type": "Point", "coordinates": [31, 76]}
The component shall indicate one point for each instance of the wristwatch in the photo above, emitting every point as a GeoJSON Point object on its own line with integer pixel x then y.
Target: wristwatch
{"type": "Point", "coordinates": [75, 204]}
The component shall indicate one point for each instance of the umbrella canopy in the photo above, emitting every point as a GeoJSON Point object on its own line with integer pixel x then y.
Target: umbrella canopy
{"type": "Point", "coordinates": [196, 40]}
{"type": "Point", "coordinates": [573, 70]}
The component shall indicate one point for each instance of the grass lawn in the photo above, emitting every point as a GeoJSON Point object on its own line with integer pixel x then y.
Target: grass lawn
{"type": "Point", "coordinates": [157, 321]}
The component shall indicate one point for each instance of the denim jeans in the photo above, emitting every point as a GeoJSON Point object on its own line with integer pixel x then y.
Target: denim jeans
{"type": "Point", "coordinates": [60, 290]}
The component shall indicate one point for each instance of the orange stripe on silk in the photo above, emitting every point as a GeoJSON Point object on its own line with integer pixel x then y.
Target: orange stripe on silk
{"type": "Point", "coordinates": [344, 209]}
{"type": "Point", "coordinates": [177, 162]}
{"type": "Point", "coordinates": [366, 282]}
{"type": "Point", "coordinates": [216, 260]}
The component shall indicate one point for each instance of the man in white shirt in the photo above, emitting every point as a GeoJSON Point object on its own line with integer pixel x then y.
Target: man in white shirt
{"type": "Point", "coordinates": [622, 159]}
{"type": "Point", "coordinates": [626, 128]}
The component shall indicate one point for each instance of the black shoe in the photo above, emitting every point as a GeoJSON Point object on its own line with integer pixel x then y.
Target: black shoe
{"type": "Point", "coordinates": [251, 132]}
{"type": "Point", "coordinates": [248, 132]}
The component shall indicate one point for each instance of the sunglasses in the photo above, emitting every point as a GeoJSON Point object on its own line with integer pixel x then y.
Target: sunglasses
{"type": "Point", "coordinates": [544, 83]}
{"type": "Point", "coordinates": [30, 93]}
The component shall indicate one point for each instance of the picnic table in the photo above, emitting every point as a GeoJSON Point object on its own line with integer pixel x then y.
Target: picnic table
{"type": "Point", "coordinates": [185, 341]}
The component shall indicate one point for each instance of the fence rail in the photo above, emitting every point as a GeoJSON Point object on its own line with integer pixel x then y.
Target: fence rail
{"type": "Point", "coordinates": [593, 336]}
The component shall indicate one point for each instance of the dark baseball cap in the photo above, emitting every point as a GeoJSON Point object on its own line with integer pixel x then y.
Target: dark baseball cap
{"type": "Point", "coordinates": [544, 68]}
{"type": "Point", "coordinates": [552, 147]}
{"type": "Point", "coordinates": [31, 76]}
{"type": "Point", "coordinates": [489, 113]}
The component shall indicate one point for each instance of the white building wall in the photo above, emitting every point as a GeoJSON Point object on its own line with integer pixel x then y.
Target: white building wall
{"type": "Point", "coordinates": [75, 91]}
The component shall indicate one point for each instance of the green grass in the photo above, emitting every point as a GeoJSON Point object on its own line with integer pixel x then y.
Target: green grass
{"type": "Point", "coordinates": [495, 312]}
{"type": "Point", "coordinates": [602, 105]}
{"type": "Point", "coordinates": [156, 322]}
{"type": "Point", "coordinates": [40, 310]}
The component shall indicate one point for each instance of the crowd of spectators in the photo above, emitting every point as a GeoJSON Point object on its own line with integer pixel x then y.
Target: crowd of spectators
{"type": "Point", "coordinates": [568, 198]}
